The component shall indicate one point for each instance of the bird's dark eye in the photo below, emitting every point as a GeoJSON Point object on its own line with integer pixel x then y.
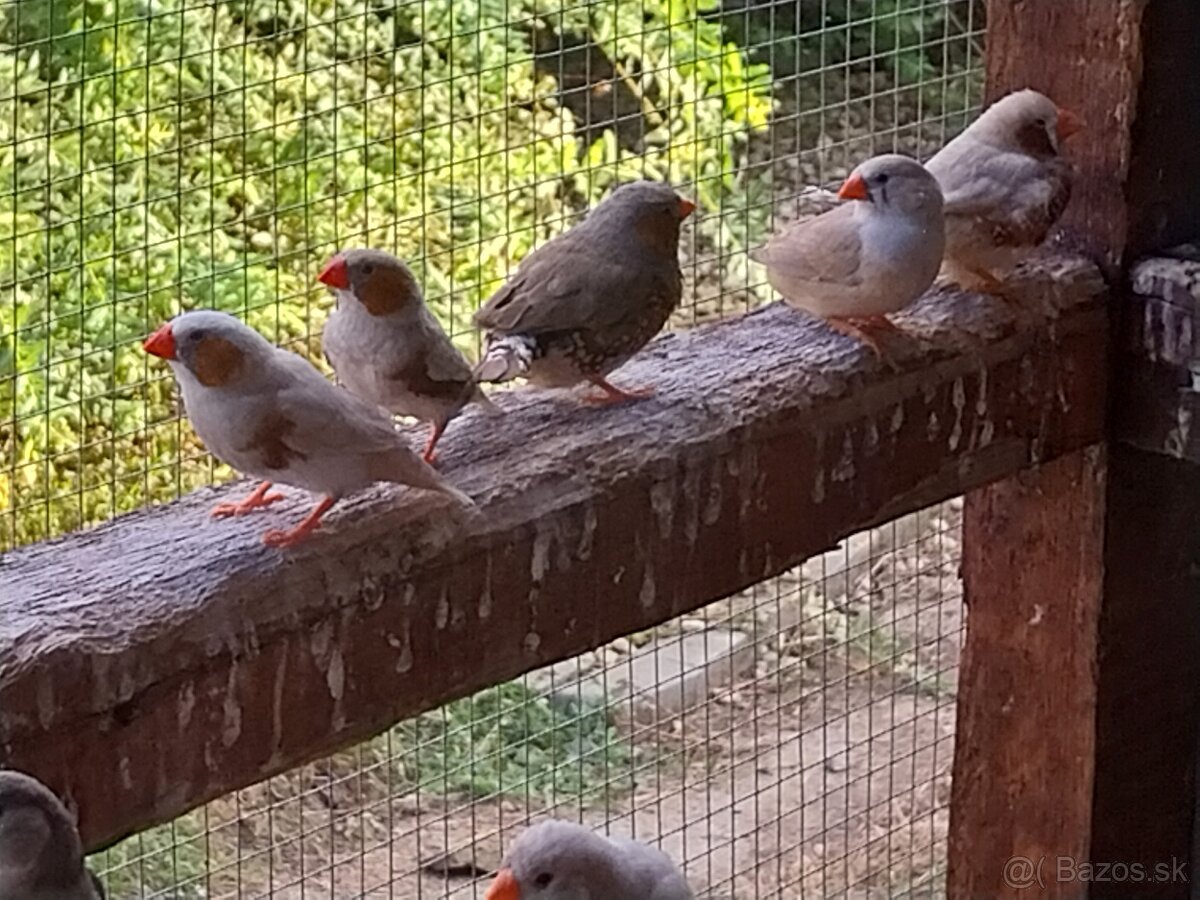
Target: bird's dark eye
{"type": "Point", "coordinates": [367, 268]}
{"type": "Point", "coordinates": [1041, 123]}
{"type": "Point", "coordinates": [881, 178]}
{"type": "Point", "coordinates": [197, 336]}
{"type": "Point", "coordinates": [543, 880]}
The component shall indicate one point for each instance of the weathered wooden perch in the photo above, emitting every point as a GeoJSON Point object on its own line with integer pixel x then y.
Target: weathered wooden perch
{"type": "Point", "coordinates": [164, 659]}
{"type": "Point", "coordinates": [1157, 405]}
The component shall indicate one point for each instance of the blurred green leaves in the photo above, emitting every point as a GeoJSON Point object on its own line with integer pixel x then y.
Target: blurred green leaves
{"type": "Point", "coordinates": [168, 155]}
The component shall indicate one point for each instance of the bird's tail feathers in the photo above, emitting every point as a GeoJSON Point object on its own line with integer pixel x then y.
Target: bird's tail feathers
{"type": "Point", "coordinates": [485, 403]}
{"type": "Point", "coordinates": [458, 496]}
{"type": "Point", "coordinates": [507, 357]}
{"type": "Point", "coordinates": [403, 466]}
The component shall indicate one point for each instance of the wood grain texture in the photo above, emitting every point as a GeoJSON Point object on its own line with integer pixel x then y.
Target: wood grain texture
{"type": "Point", "coordinates": [1033, 548]}
{"type": "Point", "coordinates": [1128, 66]}
{"type": "Point", "coordinates": [1087, 56]}
{"type": "Point", "coordinates": [1157, 399]}
{"type": "Point", "coordinates": [164, 658]}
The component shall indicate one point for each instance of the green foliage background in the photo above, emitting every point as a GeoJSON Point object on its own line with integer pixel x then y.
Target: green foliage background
{"type": "Point", "coordinates": [169, 155]}
{"type": "Point", "coordinates": [160, 155]}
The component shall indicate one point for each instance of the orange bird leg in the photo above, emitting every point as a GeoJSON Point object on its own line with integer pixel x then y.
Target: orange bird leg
{"type": "Point", "coordinates": [992, 286]}
{"type": "Point", "coordinates": [257, 500]}
{"type": "Point", "coordinates": [278, 538]}
{"type": "Point", "coordinates": [988, 283]}
{"type": "Point", "coordinates": [861, 328]}
{"type": "Point", "coordinates": [428, 455]}
{"type": "Point", "coordinates": [613, 394]}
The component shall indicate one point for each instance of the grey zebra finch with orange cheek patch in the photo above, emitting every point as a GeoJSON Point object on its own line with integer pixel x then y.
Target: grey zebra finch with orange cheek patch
{"type": "Point", "coordinates": [388, 348]}
{"type": "Point", "coordinates": [1005, 184]}
{"type": "Point", "coordinates": [270, 414]}
{"type": "Point", "coordinates": [558, 860]}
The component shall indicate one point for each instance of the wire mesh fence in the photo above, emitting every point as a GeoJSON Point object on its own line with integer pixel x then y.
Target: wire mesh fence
{"type": "Point", "coordinates": [793, 740]}
{"type": "Point", "coordinates": [159, 156]}
{"type": "Point", "coordinates": [163, 155]}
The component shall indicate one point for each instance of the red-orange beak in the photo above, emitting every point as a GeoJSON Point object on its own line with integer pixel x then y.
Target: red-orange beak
{"type": "Point", "coordinates": [504, 887]}
{"type": "Point", "coordinates": [336, 274]}
{"type": "Point", "coordinates": [161, 343]}
{"type": "Point", "coordinates": [686, 208]}
{"type": "Point", "coordinates": [854, 188]}
{"type": "Point", "coordinates": [1068, 124]}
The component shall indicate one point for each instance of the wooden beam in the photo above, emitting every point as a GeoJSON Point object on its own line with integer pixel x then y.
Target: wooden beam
{"type": "Point", "coordinates": [1128, 67]}
{"type": "Point", "coordinates": [163, 659]}
{"type": "Point", "coordinates": [1148, 705]}
{"type": "Point", "coordinates": [1148, 711]}
{"type": "Point", "coordinates": [1027, 700]}
{"type": "Point", "coordinates": [1157, 399]}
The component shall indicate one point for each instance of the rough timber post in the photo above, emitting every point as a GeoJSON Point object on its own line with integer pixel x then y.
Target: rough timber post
{"type": "Point", "coordinates": [1078, 699]}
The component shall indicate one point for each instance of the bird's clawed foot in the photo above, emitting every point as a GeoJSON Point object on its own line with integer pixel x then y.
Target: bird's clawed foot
{"type": "Point", "coordinates": [277, 537]}
{"type": "Point", "coordinates": [613, 395]}
{"type": "Point", "coordinates": [987, 283]}
{"type": "Point", "coordinates": [258, 499]}
{"type": "Point", "coordinates": [861, 327]}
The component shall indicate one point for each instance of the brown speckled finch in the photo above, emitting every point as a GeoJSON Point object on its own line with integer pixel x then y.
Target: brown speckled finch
{"type": "Point", "coordinates": [270, 414]}
{"type": "Point", "coordinates": [1005, 185]}
{"type": "Point", "coordinates": [556, 860]}
{"type": "Point", "coordinates": [387, 347]}
{"type": "Point", "coordinates": [41, 857]}
{"type": "Point", "coordinates": [582, 304]}
{"type": "Point", "coordinates": [869, 257]}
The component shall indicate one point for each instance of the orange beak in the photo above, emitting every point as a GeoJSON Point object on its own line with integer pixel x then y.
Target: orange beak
{"type": "Point", "coordinates": [1068, 124]}
{"type": "Point", "coordinates": [505, 887]}
{"type": "Point", "coordinates": [854, 188]}
{"type": "Point", "coordinates": [335, 274]}
{"type": "Point", "coordinates": [686, 207]}
{"type": "Point", "coordinates": [161, 343]}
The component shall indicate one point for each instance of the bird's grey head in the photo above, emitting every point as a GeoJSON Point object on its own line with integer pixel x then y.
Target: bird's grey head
{"type": "Point", "coordinates": [215, 347]}
{"type": "Point", "coordinates": [39, 846]}
{"type": "Point", "coordinates": [557, 860]}
{"type": "Point", "coordinates": [894, 183]}
{"type": "Point", "coordinates": [645, 214]}
{"type": "Point", "coordinates": [378, 281]}
{"type": "Point", "coordinates": [1028, 122]}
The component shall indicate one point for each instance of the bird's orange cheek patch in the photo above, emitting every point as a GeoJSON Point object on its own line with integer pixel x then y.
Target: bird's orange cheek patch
{"type": "Point", "coordinates": [216, 361]}
{"type": "Point", "coordinates": [388, 291]}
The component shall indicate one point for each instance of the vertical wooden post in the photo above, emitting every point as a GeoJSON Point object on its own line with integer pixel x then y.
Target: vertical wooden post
{"type": "Point", "coordinates": [1032, 566]}
{"type": "Point", "coordinates": [1078, 712]}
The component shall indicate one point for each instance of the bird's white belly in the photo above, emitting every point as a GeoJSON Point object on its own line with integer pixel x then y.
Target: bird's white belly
{"type": "Point", "coordinates": [368, 380]}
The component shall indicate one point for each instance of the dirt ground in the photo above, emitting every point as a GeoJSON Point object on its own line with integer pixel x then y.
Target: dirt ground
{"type": "Point", "coordinates": [823, 770]}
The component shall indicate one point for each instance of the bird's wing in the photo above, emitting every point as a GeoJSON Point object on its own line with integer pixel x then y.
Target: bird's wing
{"type": "Point", "coordinates": [1016, 197]}
{"type": "Point", "coordinates": [825, 249]}
{"type": "Point", "coordinates": [568, 283]}
{"type": "Point", "coordinates": [311, 417]}
{"type": "Point", "coordinates": [435, 369]}
{"type": "Point", "coordinates": [443, 362]}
